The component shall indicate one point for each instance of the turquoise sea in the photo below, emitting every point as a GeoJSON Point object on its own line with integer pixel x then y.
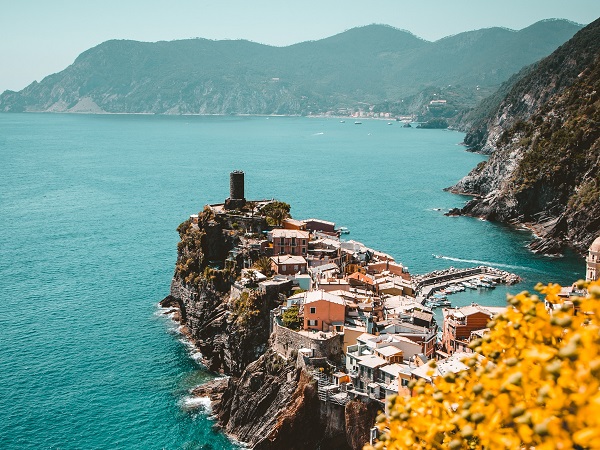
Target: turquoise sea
{"type": "Point", "coordinates": [89, 205]}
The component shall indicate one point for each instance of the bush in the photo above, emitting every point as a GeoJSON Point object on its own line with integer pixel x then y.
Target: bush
{"type": "Point", "coordinates": [535, 384]}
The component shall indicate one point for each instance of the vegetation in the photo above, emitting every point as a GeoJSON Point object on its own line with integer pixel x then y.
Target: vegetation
{"type": "Point", "coordinates": [263, 265]}
{"type": "Point", "coordinates": [275, 212]}
{"type": "Point", "coordinates": [340, 72]}
{"type": "Point", "coordinates": [291, 318]}
{"type": "Point", "coordinates": [247, 307]}
{"type": "Point", "coordinates": [534, 382]}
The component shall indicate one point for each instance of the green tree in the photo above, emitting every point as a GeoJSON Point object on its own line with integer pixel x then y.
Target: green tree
{"type": "Point", "coordinates": [291, 318]}
{"type": "Point", "coordinates": [275, 212]}
{"type": "Point", "coordinates": [263, 265]}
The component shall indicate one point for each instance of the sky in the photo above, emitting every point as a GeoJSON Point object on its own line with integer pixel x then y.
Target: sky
{"type": "Point", "coordinates": [41, 37]}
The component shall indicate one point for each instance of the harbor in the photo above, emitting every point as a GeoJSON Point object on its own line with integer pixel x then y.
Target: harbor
{"type": "Point", "coordinates": [432, 289]}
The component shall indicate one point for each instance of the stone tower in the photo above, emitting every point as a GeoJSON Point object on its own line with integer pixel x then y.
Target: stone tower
{"type": "Point", "coordinates": [592, 269]}
{"type": "Point", "coordinates": [236, 198]}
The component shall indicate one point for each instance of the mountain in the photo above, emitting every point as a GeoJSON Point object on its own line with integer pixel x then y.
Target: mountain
{"type": "Point", "coordinates": [544, 170]}
{"type": "Point", "coordinates": [374, 64]}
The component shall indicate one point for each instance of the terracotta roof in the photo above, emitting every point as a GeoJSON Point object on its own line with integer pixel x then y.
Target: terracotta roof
{"type": "Point", "coordinates": [361, 277]}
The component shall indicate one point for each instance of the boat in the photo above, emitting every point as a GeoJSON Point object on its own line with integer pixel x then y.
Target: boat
{"type": "Point", "coordinates": [390, 123]}
{"type": "Point", "coordinates": [344, 230]}
{"type": "Point", "coordinates": [357, 123]}
{"type": "Point", "coordinates": [342, 121]}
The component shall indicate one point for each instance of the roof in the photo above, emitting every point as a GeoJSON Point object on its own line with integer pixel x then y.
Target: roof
{"type": "Point", "coordinates": [324, 267]}
{"type": "Point", "coordinates": [293, 221]}
{"type": "Point", "coordinates": [317, 296]}
{"type": "Point", "coordinates": [283, 233]}
{"type": "Point", "coordinates": [595, 247]}
{"type": "Point", "coordinates": [427, 316]}
{"type": "Point", "coordinates": [471, 309]}
{"type": "Point", "coordinates": [389, 350]}
{"type": "Point", "coordinates": [371, 361]}
{"type": "Point", "coordinates": [395, 369]}
{"type": "Point", "coordinates": [288, 259]}
{"type": "Point", "coordinates": [361, 277]}
{"type": "Point", "coordinates": [319, 221]}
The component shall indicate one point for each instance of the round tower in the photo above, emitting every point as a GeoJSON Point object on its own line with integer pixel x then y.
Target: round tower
{"type": "Point", "coordinates": [236, 185]}
{"type": "Point", "coordinates": [236, 198]}
{"type": "Point", "coordinates": [592, 261]}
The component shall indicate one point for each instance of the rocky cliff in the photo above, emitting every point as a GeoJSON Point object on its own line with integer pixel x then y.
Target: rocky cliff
{"type": "Point", "coordinates": [544, 170]}
{"type": "Point", "coordinates": [268, 401]}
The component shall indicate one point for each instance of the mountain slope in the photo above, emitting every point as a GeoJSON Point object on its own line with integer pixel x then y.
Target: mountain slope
{"type": "Point", "coordinates": [370, 64]}
{"type": "Point", "coordinates": [545, 169]}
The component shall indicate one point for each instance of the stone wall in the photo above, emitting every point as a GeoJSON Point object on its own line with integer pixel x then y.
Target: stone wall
{"type": "Point", "coordinates": [284, 341]}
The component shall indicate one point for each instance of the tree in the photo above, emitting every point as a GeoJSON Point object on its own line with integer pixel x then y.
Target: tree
{"type": "Point", "coordinates": [275, 212]}
{"type": "Point", "coordinates": [533, 382]}
{"type": "Point", "coordinates": [291, 319]}
{"type": "Point", "coordinates": [263, 265]}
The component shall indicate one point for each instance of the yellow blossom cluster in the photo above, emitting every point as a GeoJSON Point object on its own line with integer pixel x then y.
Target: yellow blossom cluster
{"type": "Point", "coordinates": [532, 383]}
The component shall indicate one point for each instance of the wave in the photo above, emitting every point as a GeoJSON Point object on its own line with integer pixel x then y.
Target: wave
{"type": "Point", "coordinates": [485, 263]}
{"type": "Point", "coordinates": [190, 403]}
{"type": "Point", "coordinates": [318, 134]}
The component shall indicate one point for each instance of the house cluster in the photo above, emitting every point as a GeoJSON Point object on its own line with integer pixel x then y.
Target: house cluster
{"type": "Point", "coordinates": [355, 309]}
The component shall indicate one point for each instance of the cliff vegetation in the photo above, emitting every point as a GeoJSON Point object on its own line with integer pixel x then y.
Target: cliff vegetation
{"type": "Point", "coordinates": [377, 65]}
{"type": "Point", "coordinates": [545, 166]}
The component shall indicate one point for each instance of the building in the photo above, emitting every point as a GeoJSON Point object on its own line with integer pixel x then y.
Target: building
{"type": "Point", "coordinates": [288, 264]}
{"type": "Point", "coordinates": [459, 323]}
{"type": "Point", "coordinates": [292, 242]}
{"type": "Point", "coordinates": [323, 311]}
{"type": "Point", "coordinates": [592, 262]}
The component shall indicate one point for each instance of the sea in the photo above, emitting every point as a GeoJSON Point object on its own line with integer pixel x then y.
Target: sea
{"type": "Point", "coordinates": [89, 206]}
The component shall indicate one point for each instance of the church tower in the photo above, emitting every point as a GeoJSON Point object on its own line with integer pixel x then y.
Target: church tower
{"type": "Point", "coordinates": [592, 261]}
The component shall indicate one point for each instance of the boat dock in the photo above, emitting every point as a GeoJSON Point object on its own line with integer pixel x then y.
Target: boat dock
{"type": "Point", "coordinates": [426, 285]}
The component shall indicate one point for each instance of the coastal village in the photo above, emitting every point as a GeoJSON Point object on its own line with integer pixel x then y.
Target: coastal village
{"type": "Point", "coordinates": [349, 318]}
{"type": "Point", "coordinates": [352, 316]}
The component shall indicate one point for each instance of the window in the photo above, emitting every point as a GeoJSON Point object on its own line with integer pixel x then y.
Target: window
{"type": "Point", "coordinates": [303, 251]}
{"type": "Point", "coordinates": [293, 242]}
{"type": "Point", "coordinates": [282, 241]}
{"type": "Point", "coordinates": [312, 323]}
{"type": "Point", "coordinates": [283, 267]}
{"type": "Point", "coordinates": [295, 267]}
{"type": "Point", "coordinates": [303, 241]}
{"type": "Point", "coordinates": [313, 310]}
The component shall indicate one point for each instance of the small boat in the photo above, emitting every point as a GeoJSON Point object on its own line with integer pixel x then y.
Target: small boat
{"type": "Point", "coordinates": [390, 123]}
{"type": "Point", "coordinates": [357, 123]}
{"type": "Point", "coordinates": [344, 230]}
{"type": "Point", "coordinates": [342, 121]}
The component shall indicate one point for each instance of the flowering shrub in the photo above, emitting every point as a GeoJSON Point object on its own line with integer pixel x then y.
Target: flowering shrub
{"type": "Point", "coordinates": [534, 382]}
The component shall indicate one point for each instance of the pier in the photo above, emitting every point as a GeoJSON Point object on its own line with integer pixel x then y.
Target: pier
{"type": "Point", "coordinates": [426, 285]}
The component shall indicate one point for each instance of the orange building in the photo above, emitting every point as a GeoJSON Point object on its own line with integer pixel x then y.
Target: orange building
{"type": "Point", "coordinates": [323, 311]}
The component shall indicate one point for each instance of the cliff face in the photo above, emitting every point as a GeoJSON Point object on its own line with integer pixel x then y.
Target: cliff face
{"type": "Point", "coordinates": [275, 405]}
{"type": "Point", "coordinates": [229, 332]}
{"type": "Point", "coordinates": [524, 94]}
{"type": "Point", "coordinates": [268, 402]}
{"type": "Point", "coordinates": [545, 166]}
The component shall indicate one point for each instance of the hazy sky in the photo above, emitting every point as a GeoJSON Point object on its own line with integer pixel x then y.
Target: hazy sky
{"type": "Point", "coordinates": [41, 37]}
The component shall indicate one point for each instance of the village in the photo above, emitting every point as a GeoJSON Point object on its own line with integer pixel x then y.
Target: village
{"type": "Point", "coordinates": [352, 316]}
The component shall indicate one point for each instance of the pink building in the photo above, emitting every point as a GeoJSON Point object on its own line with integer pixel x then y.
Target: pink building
{"type": "Point", "coordinates": [288, 264]}
{"type": "Point", "coordinates": [292, 242]}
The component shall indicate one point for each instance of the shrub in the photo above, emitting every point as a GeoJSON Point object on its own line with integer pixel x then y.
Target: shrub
{"type": "Point", "coordinates": [535, 384]}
